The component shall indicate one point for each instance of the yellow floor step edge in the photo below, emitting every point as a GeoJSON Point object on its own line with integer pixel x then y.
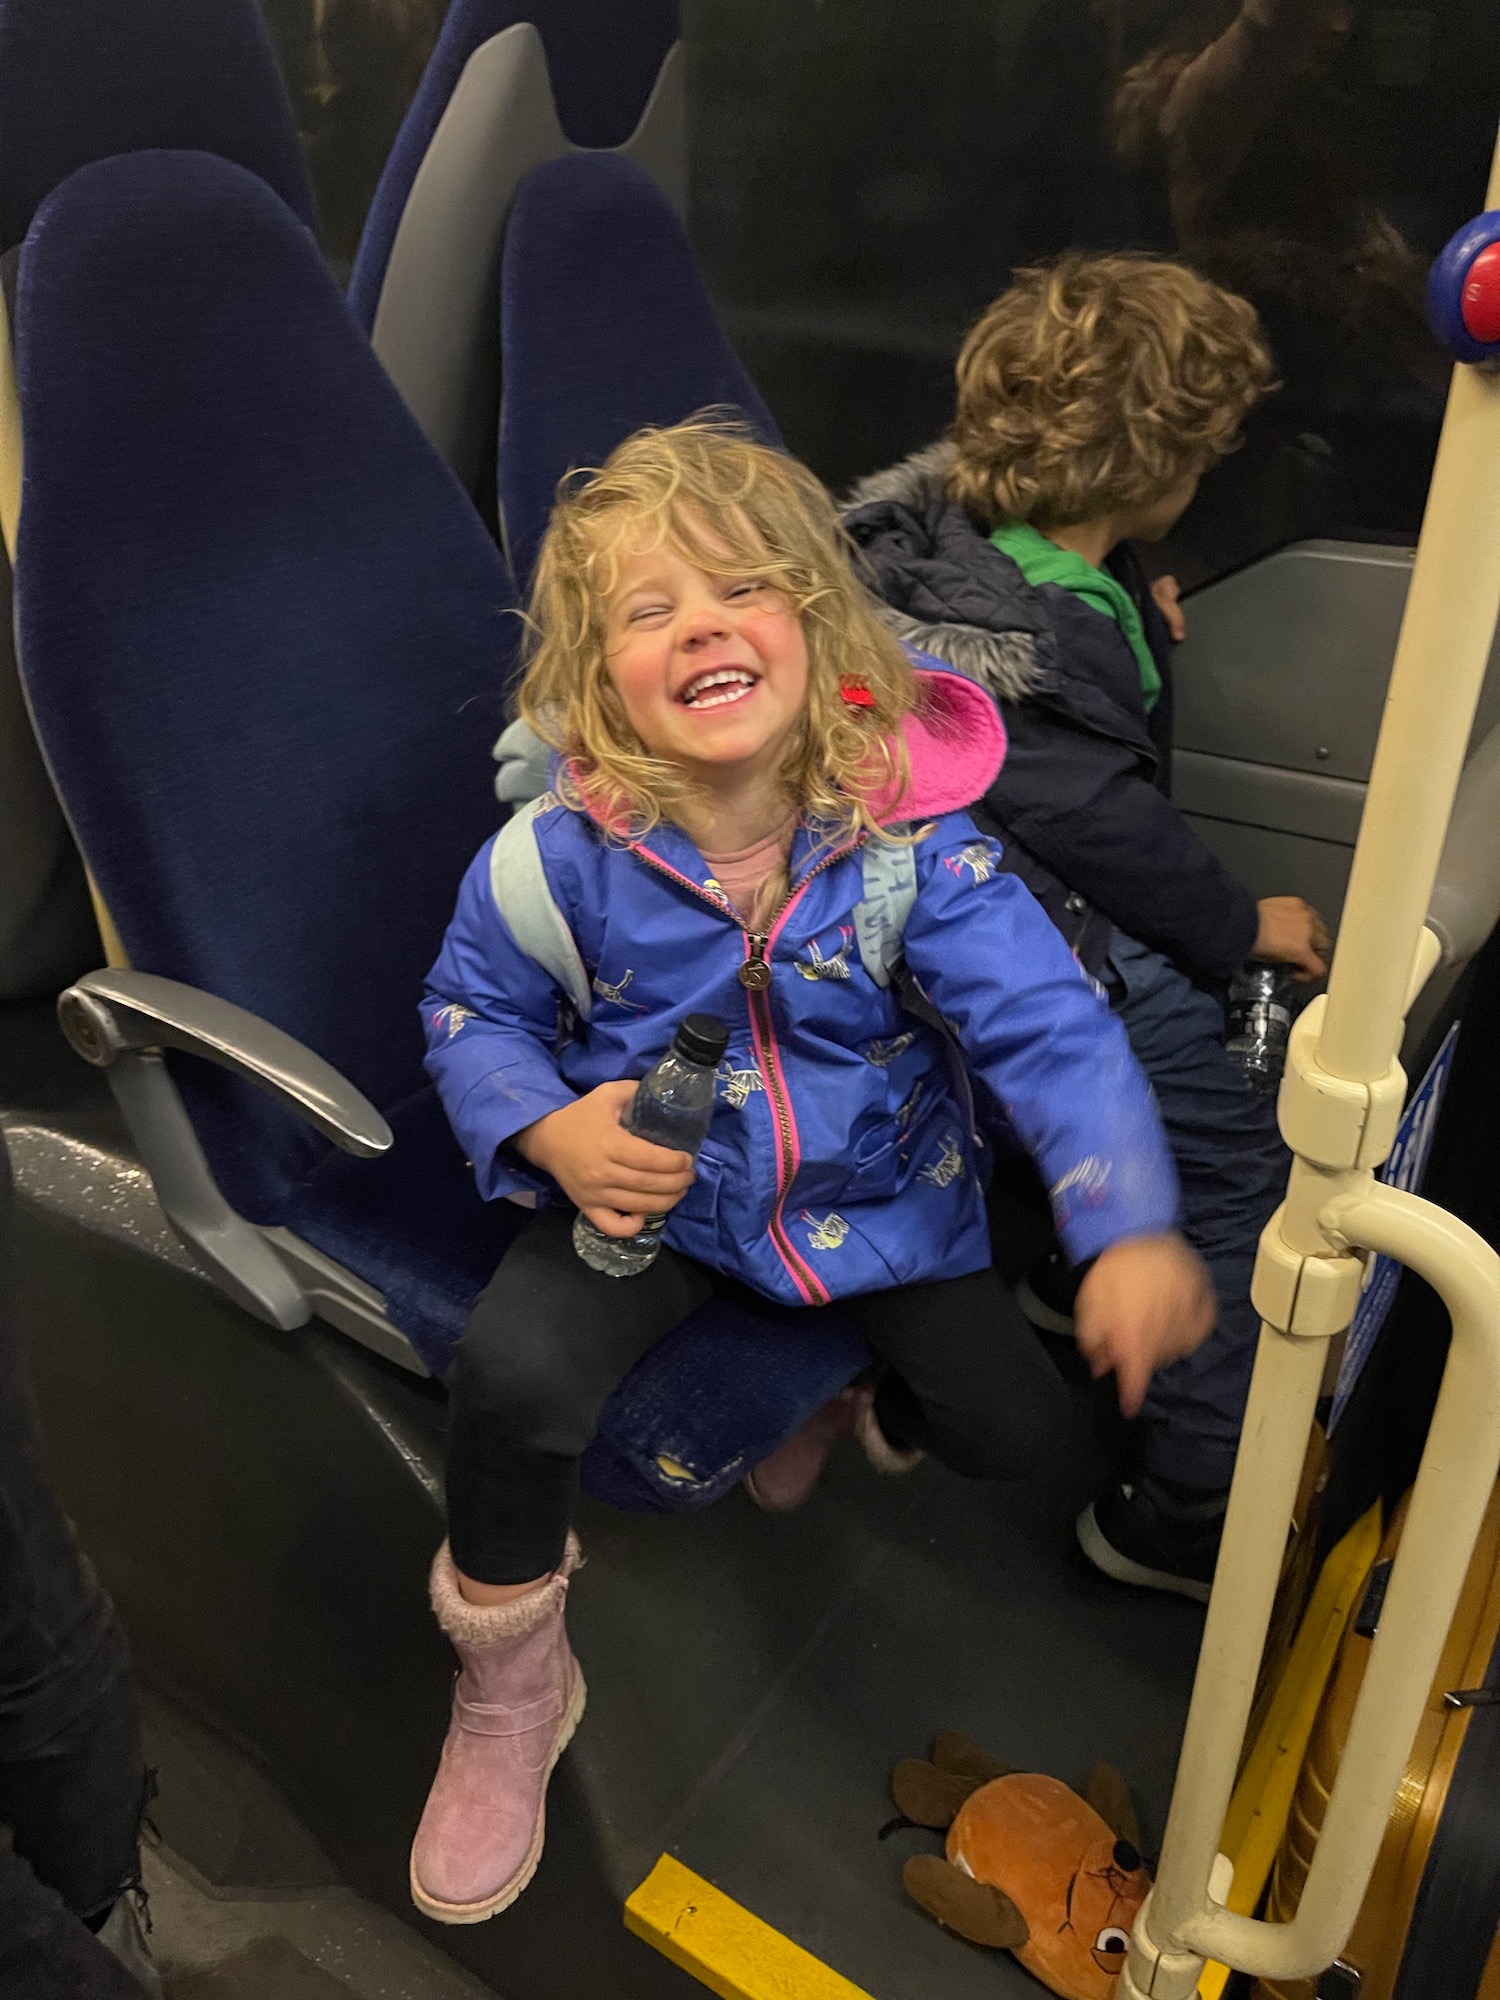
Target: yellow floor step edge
{"type": "Point", "coordinates": [721, 1944]}
{"type": "Point", "coordinates": [1262, 1801]}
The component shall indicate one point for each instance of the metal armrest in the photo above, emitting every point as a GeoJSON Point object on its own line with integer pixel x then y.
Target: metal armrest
{"type": "Point", "coordinates": [121, 1021]}
{"type": "Point", "coordinates": [105, 1014]}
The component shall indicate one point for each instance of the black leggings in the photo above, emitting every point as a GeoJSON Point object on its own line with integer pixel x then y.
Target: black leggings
{"type": "Point", "coordinates": [549, 1340]}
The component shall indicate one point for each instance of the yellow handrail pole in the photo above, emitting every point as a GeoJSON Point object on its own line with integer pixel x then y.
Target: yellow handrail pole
{"type": "Point", "coordinates": [1340, 1103]}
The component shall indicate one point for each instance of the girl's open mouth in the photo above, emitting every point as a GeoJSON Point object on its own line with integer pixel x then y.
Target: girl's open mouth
{"type": "Point", "coordinates": [719, 687]}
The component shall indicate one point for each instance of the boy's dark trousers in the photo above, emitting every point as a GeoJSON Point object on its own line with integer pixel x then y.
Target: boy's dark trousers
{"type": "Point", "coordinates": [72, 1772]}
{"type": "Point", "coordinates": [1233, 1168]}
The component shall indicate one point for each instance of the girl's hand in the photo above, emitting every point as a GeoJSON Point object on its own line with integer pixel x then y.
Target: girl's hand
{"type": "Point", "coordinates": [1147, 1301]}
{"type": "Point", "coordinates": [615, 1178]}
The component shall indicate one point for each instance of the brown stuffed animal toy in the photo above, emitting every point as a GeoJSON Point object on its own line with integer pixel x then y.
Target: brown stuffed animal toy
{"type": "Point", "coordinates": [1031, 1867]}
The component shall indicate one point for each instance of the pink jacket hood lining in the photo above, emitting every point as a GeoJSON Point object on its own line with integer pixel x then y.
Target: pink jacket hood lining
{"type": "Point", "coordinates": [955, 747]}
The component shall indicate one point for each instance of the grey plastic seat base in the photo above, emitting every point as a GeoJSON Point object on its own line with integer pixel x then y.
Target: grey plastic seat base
{"type": "Point", "coordinates": [342, 1300]}
{"type": "Point", "coordinates": [437, 323]}
{"type": "Point", "coordinates": [96, 1180]}
{"type": "Point", "coordinates": [119, 1020]}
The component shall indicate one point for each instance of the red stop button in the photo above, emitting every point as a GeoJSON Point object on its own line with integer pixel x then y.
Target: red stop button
{"type": "Point", "coordinates": [1481, 296]}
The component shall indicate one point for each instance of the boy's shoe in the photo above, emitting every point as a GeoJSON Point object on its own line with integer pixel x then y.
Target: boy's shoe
{"type": "Point", "coordinates": [1156, 1533]}
{"type": "Point", "coordinates": [516, 1704]}
{"type": "Point", "coordinates": [787, 1478]}
{"type": "Point", "coordinates": [1047, 1294]}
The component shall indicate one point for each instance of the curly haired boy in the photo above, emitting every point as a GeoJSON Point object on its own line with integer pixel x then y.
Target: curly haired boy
{"type": "Point", "coordinates": [1092, 397]}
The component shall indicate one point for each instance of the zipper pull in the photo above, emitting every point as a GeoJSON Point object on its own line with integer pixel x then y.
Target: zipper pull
{"type": "Point", "coordinates": [755, 973]}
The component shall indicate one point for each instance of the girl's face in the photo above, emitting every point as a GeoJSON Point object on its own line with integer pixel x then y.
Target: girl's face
{"type": "Point", "coordinates": [711, 670]}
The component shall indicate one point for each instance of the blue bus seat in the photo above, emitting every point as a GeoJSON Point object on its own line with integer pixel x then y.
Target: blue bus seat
{"type": "Point", "coordinates": [510, 83]}
{"type": "Point", "coordinates": [606, 325]}
{"type": "Point", "coordinates": [266, 641]}
{"type": "Point", "coordinates": [80, 80]}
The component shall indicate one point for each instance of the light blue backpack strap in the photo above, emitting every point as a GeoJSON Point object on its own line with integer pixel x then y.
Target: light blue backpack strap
{"type": "Point", "coordinates": [525, 765]}
{"type": "Point", "coordinates": [518, 883]}
{"type": "Point", "coordinates": [890, 886]}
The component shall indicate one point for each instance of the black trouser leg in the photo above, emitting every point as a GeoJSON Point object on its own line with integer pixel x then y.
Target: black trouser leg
{"type": "Point", "coordinates": [72, 1772]}
{"type": "Point", "coordinates": [45, 1952]}
{"type": "Point", "coordinates": [969, 1381]}
{"type": "Point", "coordinates": [545, 1345]}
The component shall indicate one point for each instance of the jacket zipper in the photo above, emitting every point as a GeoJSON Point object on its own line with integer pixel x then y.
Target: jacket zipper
{"type": "Point", "coordinates": [755, 977]}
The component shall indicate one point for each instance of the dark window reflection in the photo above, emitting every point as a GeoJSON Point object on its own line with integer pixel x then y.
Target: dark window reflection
{"type": "Point", "coordinates": [883, 168]}
{"type": "Point", "coordinates": [351, 67]}
{"type": "Point", "coordinates": [866, 173]}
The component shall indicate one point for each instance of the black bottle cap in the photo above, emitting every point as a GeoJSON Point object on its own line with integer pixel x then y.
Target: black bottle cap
{"type": "Point", "coordinates": [702, 1038]}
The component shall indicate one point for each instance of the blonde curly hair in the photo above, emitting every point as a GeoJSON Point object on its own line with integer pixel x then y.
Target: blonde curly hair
{"type": "Point", "coordinates": [1100, 383]}
{"type": "Point", "coordinates": [733, 508]}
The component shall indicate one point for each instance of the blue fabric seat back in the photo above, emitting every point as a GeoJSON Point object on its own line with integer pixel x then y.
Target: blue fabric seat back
{"type": "Point", "coordinates": [606, 325]}
{"type": "Point", "coordinates": [603, 57]}
{"type": "Point", "coordinates": [265, 636]}
{"type": "Point", "coordinates": [81, 79]}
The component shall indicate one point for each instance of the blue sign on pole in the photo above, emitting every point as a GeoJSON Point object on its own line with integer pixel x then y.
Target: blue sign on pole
{"type": "Point", "coordinates": [1404, 1169]}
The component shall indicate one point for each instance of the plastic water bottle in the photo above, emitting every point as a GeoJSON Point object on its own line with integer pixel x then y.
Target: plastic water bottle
{"type": "Point", "coordinates": [1262, 1004]}
{"type": "Point", "coordinates": [673, 1106]}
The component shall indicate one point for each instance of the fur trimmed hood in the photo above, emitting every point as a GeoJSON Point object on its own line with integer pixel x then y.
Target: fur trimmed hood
{"type": "Point", "coordinates": [912, 482]}
{"type": "Point", "coordinates": [942, 587]}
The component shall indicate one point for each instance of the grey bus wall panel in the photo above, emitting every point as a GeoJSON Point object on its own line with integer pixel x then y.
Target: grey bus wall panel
{"type": "Point", "coordinates": [1465, 903]}
{"type": "Point", "coordinates": [1286, 662]}
{"type": "Point", "coordinates": [1271, 862]}
{"type": "Point", "coordinates": [1280, 687]}
{"type": "Point", "coordinates": [1280, 832]}
{"type": "Point", "coordinates": [437, 326]}
{"type": "Point", "coordinates": [1320, 808]}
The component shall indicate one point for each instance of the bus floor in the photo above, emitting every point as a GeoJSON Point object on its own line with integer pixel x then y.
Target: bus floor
{"type": "Point", "coordinates": [259, 1912]}
{"type": "Point", "coordinates": [264, 1507]}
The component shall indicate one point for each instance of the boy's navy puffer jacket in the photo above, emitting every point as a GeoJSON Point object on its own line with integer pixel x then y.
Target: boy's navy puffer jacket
{"type": "Point", "coordinates": [1083, 801]}
{"type": "Point", "coordinates": [842, 1157]}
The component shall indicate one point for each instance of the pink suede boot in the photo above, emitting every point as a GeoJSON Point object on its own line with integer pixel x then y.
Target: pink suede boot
{"type": "Point", "coordinates": [516, 1704]}
{"type": "Point", "coordinates": [785, 1479]}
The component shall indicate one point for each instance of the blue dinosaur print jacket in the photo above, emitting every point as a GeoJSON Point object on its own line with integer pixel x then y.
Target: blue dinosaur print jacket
{"type": "Point", "coordinates": [842, 1157]}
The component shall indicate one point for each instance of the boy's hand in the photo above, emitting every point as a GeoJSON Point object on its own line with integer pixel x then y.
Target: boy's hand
{"type": "Point", "coordinates": [1292, 933]}
{"type": "Point", "coordinates": [1147, 1301]}
{"type": "Point", "coordinates": [615, 1178]}
{"type": "Point", "coordinates": [1166, 594]}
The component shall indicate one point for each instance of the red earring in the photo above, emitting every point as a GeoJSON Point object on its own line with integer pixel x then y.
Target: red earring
{"type": "Point", "coordinates": [855, 690]}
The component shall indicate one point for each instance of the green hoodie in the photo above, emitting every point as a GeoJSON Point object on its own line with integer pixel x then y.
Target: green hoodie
{"type": "Point", "coordinates": [1042, 561]}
